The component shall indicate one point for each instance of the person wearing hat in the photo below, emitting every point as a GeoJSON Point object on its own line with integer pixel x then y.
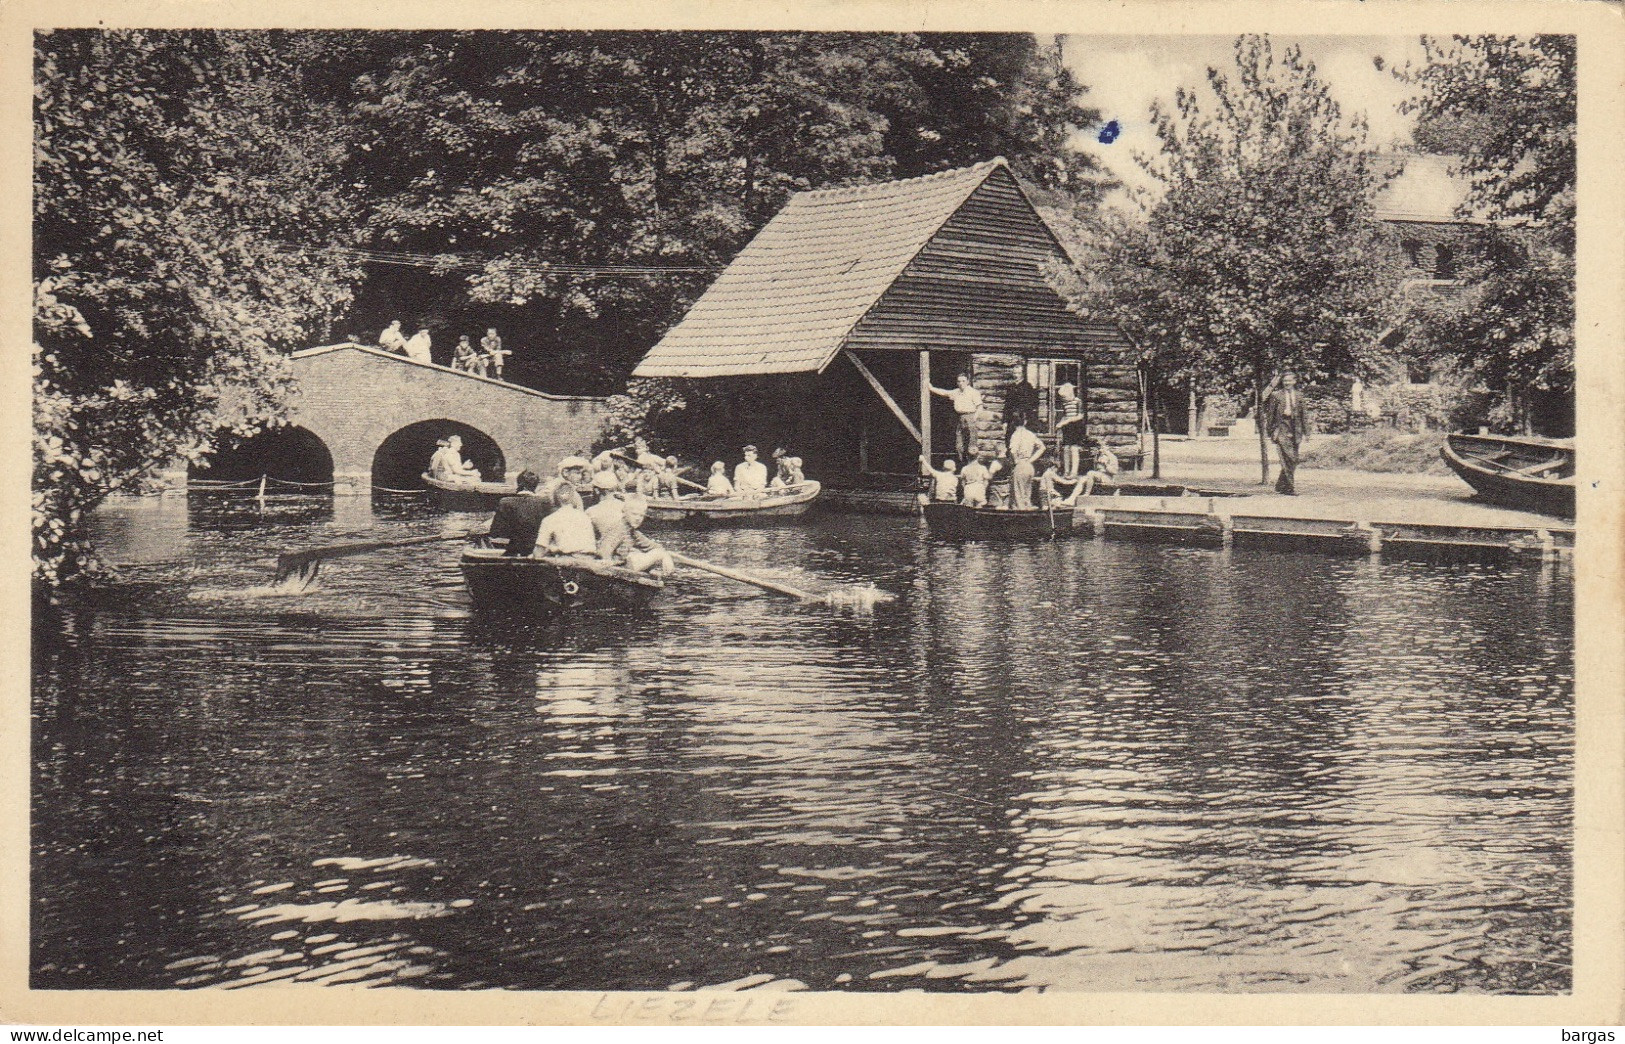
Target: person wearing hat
{"type": "Point", "coordinates": [750, 475]}
{"type": "Point", "coordinates": [572, 473]}
{"type": "Point", "coordinates": [519, 517]}
{"type": "Point", "coordinates": [606, 510]}
{"type": "Point", "coordinates": [1072, 429]}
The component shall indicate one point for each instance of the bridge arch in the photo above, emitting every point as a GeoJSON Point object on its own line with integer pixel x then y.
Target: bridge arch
{"type": "Point", "coordinates": [288, 453]}
{"type": "Point", "coordinates": [403, 456]}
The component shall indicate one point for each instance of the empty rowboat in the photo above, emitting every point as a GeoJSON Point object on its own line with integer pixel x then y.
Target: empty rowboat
{"type": "Point", "coordinates": [1528, 473]}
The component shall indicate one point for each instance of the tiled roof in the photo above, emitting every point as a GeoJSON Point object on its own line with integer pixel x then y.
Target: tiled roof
{"type": "Point", "coordinates": [789, 299]}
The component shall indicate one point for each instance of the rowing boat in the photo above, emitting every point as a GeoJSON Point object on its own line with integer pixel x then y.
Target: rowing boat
{"type": "Point", "coordinates": [958, 520]}
{"type": "Point", "coordinates": [704, 509]}
{"type": "Point", "coordinates": [554, 584]}
{"type": "Point", "coordinates": [467, 496]}
{"type": "Point", "coordinates": [1528, 473]}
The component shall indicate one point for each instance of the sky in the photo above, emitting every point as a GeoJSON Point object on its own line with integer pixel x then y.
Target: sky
{"type": "Point", "coordinates": [1124, 73]}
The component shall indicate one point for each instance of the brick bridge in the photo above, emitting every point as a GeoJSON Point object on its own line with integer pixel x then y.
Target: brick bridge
{"type": "Point", "coordinates": [364, 417]}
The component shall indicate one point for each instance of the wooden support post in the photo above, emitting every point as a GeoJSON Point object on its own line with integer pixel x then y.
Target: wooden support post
{"type": "Point", "coordinates": [891, 404]}
{"type": "Point", "coordinates": [924, 433]}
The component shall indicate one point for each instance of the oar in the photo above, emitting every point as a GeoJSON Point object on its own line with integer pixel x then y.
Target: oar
{"type": "Point", "coordinates": [868, 595]}
{"type": "Point", "coordinates": [632, 460]}
{"type": "Point", "coordinates": [306, 564]}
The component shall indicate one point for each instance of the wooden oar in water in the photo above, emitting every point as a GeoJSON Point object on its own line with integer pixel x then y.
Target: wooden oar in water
{"type": "Point", "coordinates": [861, 596]}
{"type": "Point", "coordinates": [299, 568]}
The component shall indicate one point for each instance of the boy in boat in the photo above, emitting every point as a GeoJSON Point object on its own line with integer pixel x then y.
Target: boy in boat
{"type": "Point", "coordinates": [567, 531]}
{"type": "Point", "coordinates": [973, 481]}
{"type": "Point", "coordinates": [669, 486]}
{"type": "Point", "coordinates": [789, 471]}
{"type": "Point", "coordinates": [448, 464]}
{"type": "Point", "coordinates": [750, 475]}
{"type": "Point", "coordinates": [944, 483]}
{"type": "Point", "coordinates": [718, 485]}
{"type": "Point", "coordinates": [519, 517]}
{"type": "Point", "coordinates": [606, 490]}
{"type": "Point", "coordinates": [621, 540]}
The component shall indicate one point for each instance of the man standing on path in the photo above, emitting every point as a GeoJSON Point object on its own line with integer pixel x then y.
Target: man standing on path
{"type": "Point", "coordinates": [967, 404]}
{"type": "Point", "coordinates": [1286, 423]}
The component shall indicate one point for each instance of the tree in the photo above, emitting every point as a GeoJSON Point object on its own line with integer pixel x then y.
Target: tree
{"type": "Point", "coordinates": [1261, 252]}
{"type": "Point", "coordinates": [531, 154]}
{"type": "Point", "coordinates": [181, 201]}
{"type": "Point", "coordinates": [1504, 107]}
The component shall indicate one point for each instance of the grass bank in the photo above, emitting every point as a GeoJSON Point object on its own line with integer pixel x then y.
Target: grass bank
{"type": "Point", "coordinates": [1380, 449]}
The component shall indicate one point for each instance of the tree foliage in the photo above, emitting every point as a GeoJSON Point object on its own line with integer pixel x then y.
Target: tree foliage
{"type": "Point", "coordinates": [1504, 107]}
{"type": "Point", "coordinates": [529, 152]}
{"type": "Point", "coordinates": [180, 204]}
{"type": "Point", "coordinates": [192, 189]}
{"type": "Point", "coordinates": [1261, 252]}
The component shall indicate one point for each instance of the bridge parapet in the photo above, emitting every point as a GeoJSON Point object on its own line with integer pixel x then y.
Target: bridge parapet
{"type": "Point", "coordinates": [355, 397]}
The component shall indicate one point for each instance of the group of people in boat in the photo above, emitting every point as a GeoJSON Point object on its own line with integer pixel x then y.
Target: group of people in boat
{"type": "Point", "coordinates": [485, 361]}
{"type": "Point", "coordinates": [580, 512]}
{"type": "Point", "coordinates": [1084, 461]}
{"type": "Point", "coordinates": [750, 475]}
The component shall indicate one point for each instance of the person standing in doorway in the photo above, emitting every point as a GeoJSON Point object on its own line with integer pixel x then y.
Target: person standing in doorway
{"type": "Point", "coordinates": [967, 406]}
{"type": "Point", "coordinates": [1286, 423]}
{"type": "Point", "coordinates": [1020, 404]}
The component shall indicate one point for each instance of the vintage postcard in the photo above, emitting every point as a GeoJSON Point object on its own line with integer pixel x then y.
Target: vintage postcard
{"type": "Point", "coordinates": [843, 513]}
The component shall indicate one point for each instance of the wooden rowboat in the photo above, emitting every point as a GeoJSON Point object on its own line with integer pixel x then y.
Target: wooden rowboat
{"type": "Point", "coordinates": [702, 509]}
{"type": "Point", "coordinates": [985, 523]}
{"type": "Point", "coordinates": [551, 585]}
{"type": "Point", "coordinates": [467, 496]}
{"type": "Point", "coordinates": [1528, 473]}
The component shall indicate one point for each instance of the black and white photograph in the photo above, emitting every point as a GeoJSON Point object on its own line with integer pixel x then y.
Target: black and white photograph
{"type": "Point", "coordinates": [860, 511]}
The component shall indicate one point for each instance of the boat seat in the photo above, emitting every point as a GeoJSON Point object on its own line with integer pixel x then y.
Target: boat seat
{"type": "Point", "coordinates": [1537, 470]}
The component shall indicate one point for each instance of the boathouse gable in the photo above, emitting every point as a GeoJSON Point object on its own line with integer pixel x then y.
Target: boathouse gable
{"type": "Point", "coordinates": [912, 282]}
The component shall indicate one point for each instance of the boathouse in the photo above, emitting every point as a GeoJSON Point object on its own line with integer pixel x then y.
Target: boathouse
{"type": "Point", "coordinates": [855, 300]}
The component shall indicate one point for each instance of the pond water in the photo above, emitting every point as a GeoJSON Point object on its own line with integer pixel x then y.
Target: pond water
{"type": "Point", "coordinates": [1081, 765]}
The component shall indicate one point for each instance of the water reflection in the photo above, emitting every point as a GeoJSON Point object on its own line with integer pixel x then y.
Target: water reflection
{"type": "Point", "coordinates": [1081, 765]}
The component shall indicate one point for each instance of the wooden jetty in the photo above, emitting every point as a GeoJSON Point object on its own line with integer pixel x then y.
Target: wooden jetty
{"type": "Point", "coordinates": [1244, 521]}
{"type": "Point", "coordinates": [1212, 522]}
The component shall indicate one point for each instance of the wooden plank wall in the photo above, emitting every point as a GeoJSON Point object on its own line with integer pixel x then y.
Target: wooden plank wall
{"type": "Point", "coordinates": [1112, 398]}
